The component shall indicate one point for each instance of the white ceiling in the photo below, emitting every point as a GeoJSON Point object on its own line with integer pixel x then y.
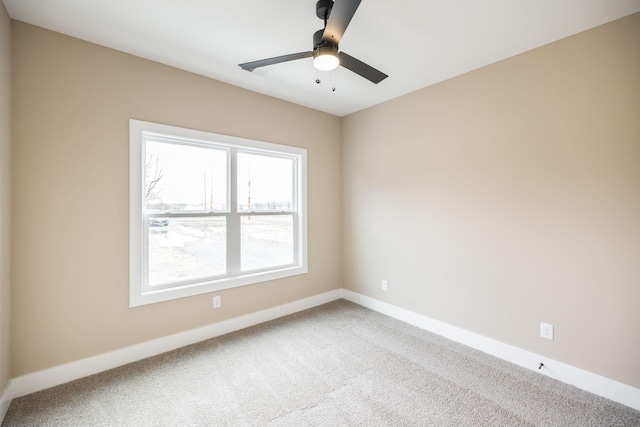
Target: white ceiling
{"type": "Point", "coordinates": [416, 42]}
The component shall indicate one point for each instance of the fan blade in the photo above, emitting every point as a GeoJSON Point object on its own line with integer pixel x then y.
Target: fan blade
{"type": "Point", "coordinates": [339, 18]}
{"type": "Point", "coordinates": [360, 68]}
{"type": "Point", "coordinates": [250, 66]}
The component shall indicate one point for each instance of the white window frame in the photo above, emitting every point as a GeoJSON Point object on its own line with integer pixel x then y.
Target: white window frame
{"type": "Point", "coordinates": [139, 291]}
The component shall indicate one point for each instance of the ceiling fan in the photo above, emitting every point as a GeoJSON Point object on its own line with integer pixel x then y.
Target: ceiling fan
{"type": "Point", "coordinates": [325, 53]}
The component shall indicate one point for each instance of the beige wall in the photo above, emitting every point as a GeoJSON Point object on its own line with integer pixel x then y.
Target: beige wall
{"type": "Point", "coordinates": [72, 103]}
{"type": "Point", "coordinates": [509, 196]}
{"type": "Point", "coordinates": [5, 198]}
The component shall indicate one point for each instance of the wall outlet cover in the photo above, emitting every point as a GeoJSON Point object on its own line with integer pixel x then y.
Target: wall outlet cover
{"type": "Point", "coordinates": [546, 330]}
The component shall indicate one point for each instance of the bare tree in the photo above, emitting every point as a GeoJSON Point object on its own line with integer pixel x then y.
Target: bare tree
{"type": "Point", "coordinates": [153, 175]}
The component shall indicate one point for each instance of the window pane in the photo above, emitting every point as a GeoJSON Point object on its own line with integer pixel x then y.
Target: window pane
{"type": "Point", "coordinates": [266, 241]}
{"type": "Point", "coordinates": [186, 248]}
{"type": "Point", "coordinates": [185, 177]}
{"type": "Point", "coordinates": [265, 183]}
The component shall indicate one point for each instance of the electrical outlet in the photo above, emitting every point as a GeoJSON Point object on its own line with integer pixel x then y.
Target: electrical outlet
{"type": "Point", "coordinates": [546, 330]}
{"type": "Point", "coordinates": [384, 285]}
{"type": "Point", "coordinates": [217, 301]}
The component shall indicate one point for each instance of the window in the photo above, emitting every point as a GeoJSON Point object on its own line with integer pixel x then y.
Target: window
{"type": "Point", "coordinates": [210, 212]}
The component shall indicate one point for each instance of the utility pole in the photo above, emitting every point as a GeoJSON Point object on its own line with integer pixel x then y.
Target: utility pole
{"type": "Point", "coordinates": [249, 192]}
{"type": "Point", "coordinates": [211, 193]}
{"type": "Point", "coordinates": [204, 190]}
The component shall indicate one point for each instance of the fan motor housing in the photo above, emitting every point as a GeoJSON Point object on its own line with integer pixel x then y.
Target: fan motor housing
{"type": "Point", "coordinates": [319, 44]}
{"type": "Point", "coordinates": [317, 37]}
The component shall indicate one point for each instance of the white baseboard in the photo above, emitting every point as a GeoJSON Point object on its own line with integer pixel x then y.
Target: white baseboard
{"type": "Point", "coordinates": [31, 383]}
{"type": "Point", "coordinates": [5, 401]}
{"type": "Point", "coordinates": [596, 384]}
{"type": "Point", "coordinates": [36, 381]}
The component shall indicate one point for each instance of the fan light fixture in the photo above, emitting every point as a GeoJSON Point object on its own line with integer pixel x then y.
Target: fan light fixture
{"type": "Point", "coordinates": [326, 57]}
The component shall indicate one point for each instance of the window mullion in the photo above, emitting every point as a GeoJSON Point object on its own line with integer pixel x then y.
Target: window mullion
{"type": "Point", "coordinates": [233, 224]}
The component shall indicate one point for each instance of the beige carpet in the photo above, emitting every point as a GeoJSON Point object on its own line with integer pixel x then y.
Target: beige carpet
{"type": "Point", "coordinates": [334, 365]}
